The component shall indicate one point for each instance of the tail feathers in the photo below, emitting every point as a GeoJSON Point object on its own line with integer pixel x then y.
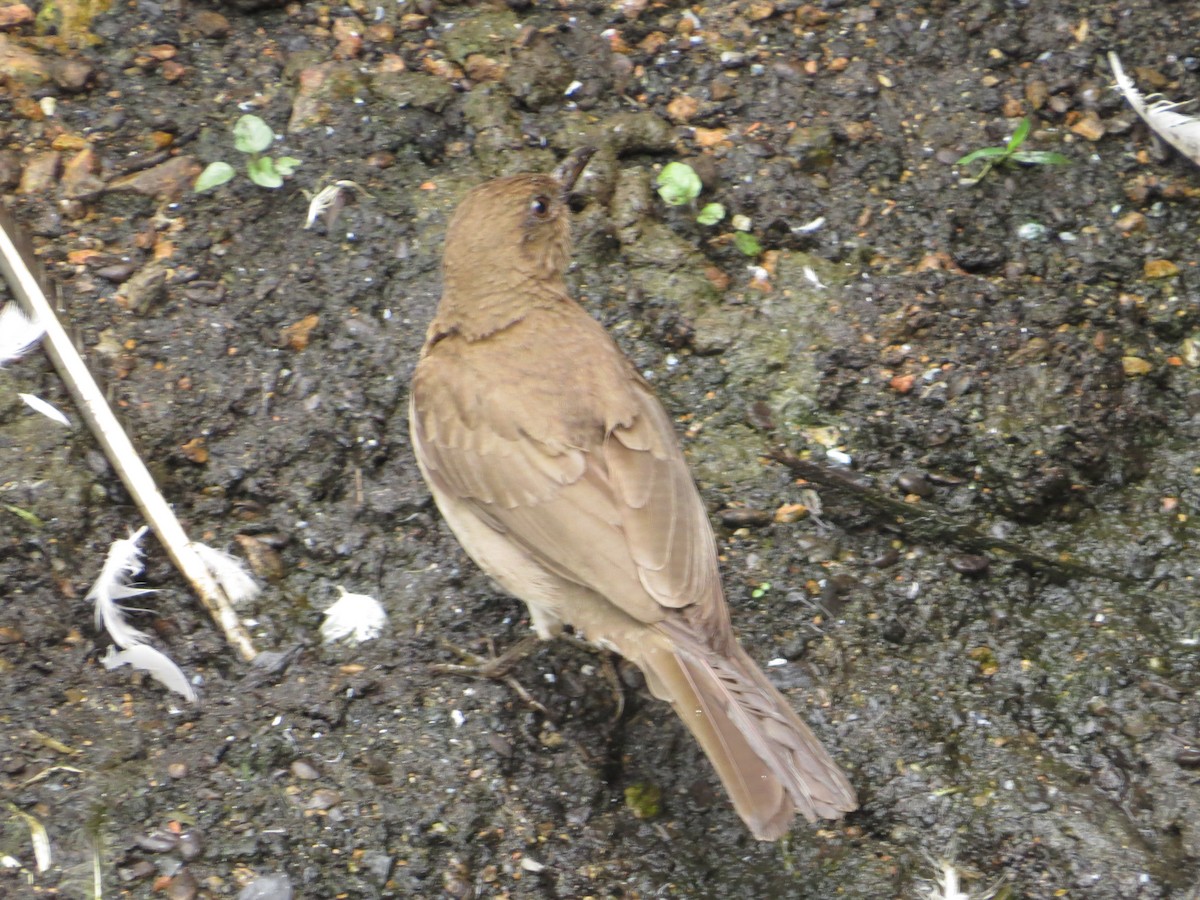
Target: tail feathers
{"type": "Point", "coordinates": [771, 764]}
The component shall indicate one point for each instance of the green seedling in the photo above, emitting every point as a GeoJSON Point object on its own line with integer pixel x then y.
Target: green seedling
{"type": "Point", "coordinates": [1011, 155]}
{"type": "Point", "coordinates": [25, 515]}
{"type": "Point", "coordinates": [711, 214]}
{"type": "Point", "coordinates": [747, 243]}
{"type": "Point", "coordinates": [252, 136]}
{"type": "Point", "coordinates": [679, 185]}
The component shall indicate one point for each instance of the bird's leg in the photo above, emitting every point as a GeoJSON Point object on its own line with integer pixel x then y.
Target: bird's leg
{"type": "Point", "coordinates": [607, 666]}
{"type": "Point", "coordinates": [491, 666]}
{"type": "Point", "coordinates": [496, 667]}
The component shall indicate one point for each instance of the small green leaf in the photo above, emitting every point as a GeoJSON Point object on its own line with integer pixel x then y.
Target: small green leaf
{"type": "Point", "coordinates": [747, 243]}
{"type": "Point", "coordinates": [678, 184]}
{"type": "Point", "coordinates": [1019, 135]}
{"type": "Point", "coordinates": [261, 170]}
{"type": "Point", "coordinates": [25, 515]}
{"type": "Point", "coordinates": [1041, 158]}
{"type": "Point", "coordinates": [984, 153]}
{"type": "Point", "coordinates": [286, 165]}
{"type": "Point", "coordinates": [252, 135]}
{"type": "Point", "coordinates": [711, 214]}
{"type": "Point", "coordinates": [213, 176]}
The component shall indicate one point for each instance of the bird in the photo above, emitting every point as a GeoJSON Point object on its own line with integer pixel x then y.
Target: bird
{"type": "Point", "coordinates": [561, 475]}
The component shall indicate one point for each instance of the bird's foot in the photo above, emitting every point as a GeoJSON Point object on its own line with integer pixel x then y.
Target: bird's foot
{"type": "Point", "coordinates": [490, 666]}
{"type": "Point", "coordinates": [495, 667]}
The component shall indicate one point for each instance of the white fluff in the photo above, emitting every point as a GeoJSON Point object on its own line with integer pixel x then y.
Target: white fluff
{"type": "Point", "coordinates": [18, 333]}
{"type": "Point", "coordinates": [357, 616]}
{"type": "Point", "coordinates": [160, 666]}
{"type": "Point", "coordinates": [122, 563]}
{"type": "Point", "coordinates": [1180, 131]}
{"type": "Point", "coordinates": [51, 412]}
{"type": "Point", "coordinates": [229, 572]}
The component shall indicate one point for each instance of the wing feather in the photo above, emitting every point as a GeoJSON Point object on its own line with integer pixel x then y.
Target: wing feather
{"type": "Point", "coordinates": [617, 512]}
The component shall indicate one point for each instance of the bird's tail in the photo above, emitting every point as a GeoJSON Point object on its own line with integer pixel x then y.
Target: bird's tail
{"type": "Point", "coordinates": [771, 764]}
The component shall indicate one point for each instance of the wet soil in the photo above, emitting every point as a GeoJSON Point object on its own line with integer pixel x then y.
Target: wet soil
{"type": "Point", "coordinates": [991, 618]}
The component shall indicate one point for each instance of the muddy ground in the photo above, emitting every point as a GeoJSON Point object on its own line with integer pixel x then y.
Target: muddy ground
{"type": "Point", "coordinates": [994, 627]}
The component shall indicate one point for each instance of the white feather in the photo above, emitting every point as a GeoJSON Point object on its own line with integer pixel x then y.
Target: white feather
{"type": "Point", "coordinates": [358, 616]}
{"type": "Point", "coordinates": [37, 404]}
{"type": "Point", "coordinates": [947, 884]}
{"type": "Point", "coordinates": [160, 666]}
{"type": "Point", "coordinates": [229, 571]}
{"type": "Point", "coordinates": [124, 561]}
{"type": "Point", "coordinates": [1180, 131]}
{"type": "Point", "coordinates": [325, 199]}
{"type": "Point", "coordinates": [18, 333]}
{"type": "Point", "coordinates": [38, 837]}
{"type": "Point", "coordinates": [121, 564]}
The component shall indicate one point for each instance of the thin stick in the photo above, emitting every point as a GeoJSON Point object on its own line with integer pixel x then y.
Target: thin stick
{"type": "Point", "coordinates": [116, 444]}
{"type": "Point", "coordinates": [927, 522]}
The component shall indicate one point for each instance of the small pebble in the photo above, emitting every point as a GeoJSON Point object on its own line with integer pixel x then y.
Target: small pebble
{"type": "Point", "coordinates": [157, 842]}
{"type": "Point", "coordinates": [915, 483]}
{"type": "Point", "coordinates": [889, 557]}
{"type": "Point", "coordinates": [742, 517]}
{"type": "Point", "coordinates": [304, 770]}
{"type": "Point", "coordinates": [137, 871]}
{"type": "Point", "coordinates": [790, 512]}
{"type": "Point", "coordinates": [118, 273]}
{"type": "Point", "coordinates": [190, 845]}
{"type": "Point", "coordinates": [268, 887]}
{"type": "Point", "coordinates": [1188, 757]}
{"type": "Point", "coordinates": [970, 564]}
{"type": "Point", "coordinates": [324, 798]}
{"type": "Point", "coordinates": [210, 24]}
{"type": "Point", "coordinates": [183, 886]}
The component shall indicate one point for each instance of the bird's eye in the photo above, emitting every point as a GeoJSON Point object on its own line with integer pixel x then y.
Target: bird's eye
{"type": "Point", "coordinates": [540, 207]}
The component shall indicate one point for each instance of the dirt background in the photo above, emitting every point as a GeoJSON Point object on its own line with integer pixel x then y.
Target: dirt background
{"type": "Point", "coordinates": [1014, 361]}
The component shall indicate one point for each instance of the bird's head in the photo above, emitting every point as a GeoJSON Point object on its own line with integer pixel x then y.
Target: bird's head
{"type": "Point", "coordinates": [513, 229]}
